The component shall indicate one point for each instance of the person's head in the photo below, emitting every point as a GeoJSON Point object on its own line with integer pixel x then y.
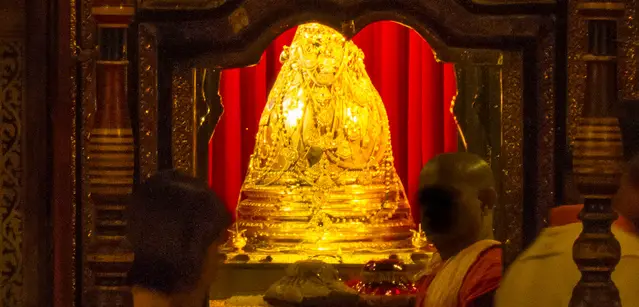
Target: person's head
{"type": "Point", "coordinates": [457, 195]}
{"type": "Point", "coordinates": [175, 225]}
{"type": "Point", "coordinates": [626, 201]}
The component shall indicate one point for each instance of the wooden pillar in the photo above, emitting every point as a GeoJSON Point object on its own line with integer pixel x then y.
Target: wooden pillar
{"type": "Point", "coordinates": [110, 165]}
{"type": "Point", "coordinates": [598, 158]}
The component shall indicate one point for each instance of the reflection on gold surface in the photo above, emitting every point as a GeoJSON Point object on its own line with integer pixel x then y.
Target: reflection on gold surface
{"type": "Point", "coordinates": [322, 178]}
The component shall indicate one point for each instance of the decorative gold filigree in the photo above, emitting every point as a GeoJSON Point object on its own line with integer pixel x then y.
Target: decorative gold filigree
{"type": "Point", "coordinates": [510, 213]}
{"type": "Point", "coordinates": [86, 108]}
{"type": "Point", "coordinates": [148, 105]}
{"type": "Point", "coordinates": [577, 44]}
{"type": "Point", "coordinates": [546, 133]}
{"type": "Point", "coordinates": [183, 125]}
{"type": "Point", "coordinates": [322, 175]}
{"type": "Point", "coordinates": [239, 19]}
{"type": "Point", "coordinates": [628, 66]}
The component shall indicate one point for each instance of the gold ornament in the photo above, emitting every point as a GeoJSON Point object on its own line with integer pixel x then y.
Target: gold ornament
{"type": "Point", "coordinates": [419, 240]}
{"type": "Point", "coordinates": [321, 178]}
{"type": "Point", "coordinates": [238, 239]}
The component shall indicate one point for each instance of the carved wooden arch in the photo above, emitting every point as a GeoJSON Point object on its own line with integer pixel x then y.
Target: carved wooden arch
{"type": "Point", "coordinates": [236, 33]}
{"type": "Point", "coordinates": [232, 35]}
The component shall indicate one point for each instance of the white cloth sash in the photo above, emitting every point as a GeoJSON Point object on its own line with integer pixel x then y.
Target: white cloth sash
{"type": "Point", "coordinates": [443, 291]}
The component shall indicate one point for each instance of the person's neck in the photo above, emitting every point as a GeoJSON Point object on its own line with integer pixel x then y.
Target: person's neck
{"type": "Point", "coordinates": [448, 251]}
{"type": "Point", "coordinates": [147, 298]}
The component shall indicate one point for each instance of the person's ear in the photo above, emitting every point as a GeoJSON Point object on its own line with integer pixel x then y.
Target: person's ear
{"type": "Point", "coordinates": [488, 198]}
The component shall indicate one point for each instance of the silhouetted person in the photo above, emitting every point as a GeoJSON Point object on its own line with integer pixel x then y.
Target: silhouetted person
{"type": "Point", "coordinates": [545, 274]}
{"type": "Point", "coordinates": [175, 226]}
{"type": "Point", "coordinates": [457, 195]}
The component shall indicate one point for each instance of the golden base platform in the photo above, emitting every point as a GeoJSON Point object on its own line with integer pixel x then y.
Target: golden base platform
{"type": "Point", "coordinates": [251, 274]}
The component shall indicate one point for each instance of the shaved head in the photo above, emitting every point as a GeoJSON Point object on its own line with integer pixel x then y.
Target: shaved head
{"type": "Point", "coordinates": [458, 167]}
{"type": "Point", "coordinates": [457, 195]}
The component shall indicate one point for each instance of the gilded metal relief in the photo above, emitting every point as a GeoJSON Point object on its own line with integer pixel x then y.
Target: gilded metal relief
{"type": "Point", "coordinates": [577, 43]}
{"type": "Point", "coordinates": [87, 40]}
{"type": "Point", "coordinates": [11, 179]}
{"type": "Point", "coordinates": [510, 215]}
{"type": "Point", "coordinates": [148, 100]}
{"type": "Point", "coordinates": [183, 118]}
{"type": "Point", "coordinates": [628, 65]}
{"type": "Point", "coordinates": [73, 95]}
{"type": "Point", "coordinates": [239, 19]}
{"type": "Point", "coordinates": [545, 130]}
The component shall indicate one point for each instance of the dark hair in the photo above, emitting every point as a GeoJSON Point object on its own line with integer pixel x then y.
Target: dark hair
{"type": "Point", "coordinates": [173, 220]}
{"type": "Point", "coordinates": [438, 204]}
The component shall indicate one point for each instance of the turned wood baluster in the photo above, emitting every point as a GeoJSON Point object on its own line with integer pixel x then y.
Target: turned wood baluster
{"type": "Point", "coordinates": [598, 156]}
{"type": "Point", "coordinates": [110, 161]}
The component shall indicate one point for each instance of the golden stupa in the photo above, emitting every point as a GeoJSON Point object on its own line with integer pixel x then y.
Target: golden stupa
{"type": "Point", "coordinates": [322, 178]}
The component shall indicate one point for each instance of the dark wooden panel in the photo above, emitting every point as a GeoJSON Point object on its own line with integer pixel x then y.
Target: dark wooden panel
{"type": "Point", "coordinates": [37, 244]}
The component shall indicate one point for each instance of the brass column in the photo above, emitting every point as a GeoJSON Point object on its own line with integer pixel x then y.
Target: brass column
{"type": "Point", "coordinates": [110, 164]}
{"type": "Point", "coordinates": [598, 156]}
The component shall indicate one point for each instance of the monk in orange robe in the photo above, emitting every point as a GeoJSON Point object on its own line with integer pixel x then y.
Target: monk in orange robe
{"type": "Point", "coordinates": [624, 204]}
{"type": "Point", "coordinates": [457, 195]}
{"type": "Point", "coordinates": [545, 273]}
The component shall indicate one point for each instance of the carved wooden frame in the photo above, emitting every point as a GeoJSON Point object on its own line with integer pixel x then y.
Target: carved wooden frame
{"type": "Point", "coordinates": [628, 71]}
{"type": "Point", "coordinates": [235, 33]}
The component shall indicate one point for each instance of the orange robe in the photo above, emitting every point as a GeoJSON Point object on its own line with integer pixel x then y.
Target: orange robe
{"type": "Point", "coordinates": [482, 278]}
{"type": "Point", "coordinates": [544, 274]}
{"type": "Point", "coordinates": [568, 214]}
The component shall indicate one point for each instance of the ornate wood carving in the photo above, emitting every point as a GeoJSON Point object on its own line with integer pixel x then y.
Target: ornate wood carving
{"type": "Point", "coordinates": [181, 4]}
{"type": "Point", "coordinates": [598, 156]}
{"type": "Point", "coordinates": [233, 35]}
{"type": "Point", "coordinates": [11, 181]}
{"type": "Point", "coordinates": [110, 163]}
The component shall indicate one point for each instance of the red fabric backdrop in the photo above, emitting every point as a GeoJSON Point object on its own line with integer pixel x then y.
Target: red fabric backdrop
{"type": "Point", "coordinates": [416, 90]}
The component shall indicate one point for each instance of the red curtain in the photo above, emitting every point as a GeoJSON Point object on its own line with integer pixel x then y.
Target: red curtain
{"type": "Point", "coordinates": [417, 92]}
